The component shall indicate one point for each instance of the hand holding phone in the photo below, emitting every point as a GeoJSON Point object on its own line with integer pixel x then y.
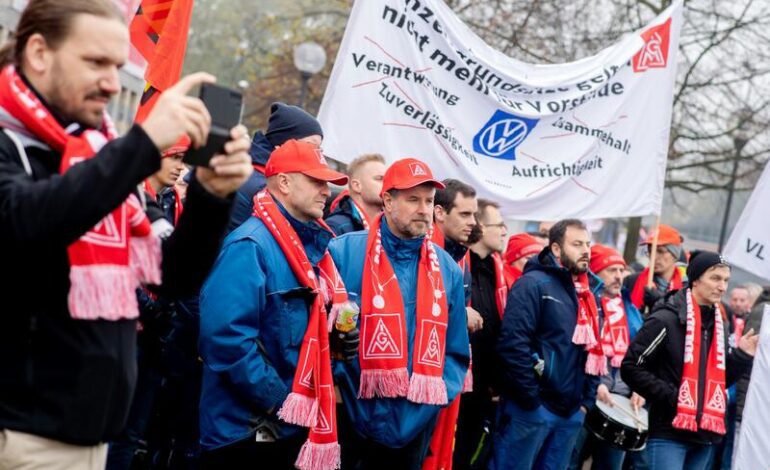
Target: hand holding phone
{"type": "Point", "coordinates": [225, 106]}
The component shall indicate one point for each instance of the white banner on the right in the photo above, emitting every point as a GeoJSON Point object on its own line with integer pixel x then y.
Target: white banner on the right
{"type": "Point", "coordinates": [752, 446]}
{"type": "Point", "coordinates": [749, 244]}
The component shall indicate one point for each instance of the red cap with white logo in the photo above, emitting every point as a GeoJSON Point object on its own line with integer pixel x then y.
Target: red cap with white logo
{"type": "Point", "coordinates": [408, 173]}
{"type": "Point", "coordinates": [302, 157]}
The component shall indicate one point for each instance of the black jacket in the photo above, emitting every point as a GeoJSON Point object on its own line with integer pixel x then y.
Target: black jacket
{"type": "Point", "coordinates": [343, 220]}
{"type": "Point", "coordinates": [65, 379]}
{"type": "Point", "coordinates": [655, 359]}
{"type": "Point", "coordinates": [754, 321]}
{"type": "Point", "coordinates": [483, 295]}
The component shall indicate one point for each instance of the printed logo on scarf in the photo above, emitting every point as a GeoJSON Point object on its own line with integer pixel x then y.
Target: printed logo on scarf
{"type": "Point", "coordinates": [717, 401]}
{"type": "Point", "coordinates": [109, 232]}
{"type": "Point", "coordinates": [324, 423]}
{"type": "Point", "coordinates": [685, 394]}
{"type": "Point", "coordinates": [430, 343]}
{"type": "Point", "coordinates": [385, 344]}
{"type": "Point", "coordinates": [306, 377]}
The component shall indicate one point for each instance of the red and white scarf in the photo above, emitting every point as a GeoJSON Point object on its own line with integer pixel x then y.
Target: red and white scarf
{"type": "Point", "coordinates": [713, 417]}
{"type": "Point", "coordinates": [119, 253]}
{"type": "Point", "coordinates": [587, 329]}
{"type": "Point", "coordinates": [311, 403]}
{"type": "Point", "coordinates": [383, 348]}
{"type": "Point", "coordinates": [354, 206]}
{"type": "Point", "coordinates": [615, 335]}
{"type": "Point", "coordinates": [437, 236]}
{"type": "Point", "coordinates": [637, 293]}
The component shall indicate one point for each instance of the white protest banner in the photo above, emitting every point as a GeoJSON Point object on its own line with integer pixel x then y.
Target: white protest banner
{"type": "Point", "coordinates": [584, 139]}
{"type": "Point", "coordinates": [752, 445]}
{"type": "Point", "coordinates": [749, 243]}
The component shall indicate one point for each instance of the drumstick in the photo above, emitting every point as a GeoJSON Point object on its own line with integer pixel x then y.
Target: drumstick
{"type": "Point", "coordinates": [635, 418]}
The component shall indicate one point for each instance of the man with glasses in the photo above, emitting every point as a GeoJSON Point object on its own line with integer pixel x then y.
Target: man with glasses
{"type": "Point", "coordinates": [489, 291]}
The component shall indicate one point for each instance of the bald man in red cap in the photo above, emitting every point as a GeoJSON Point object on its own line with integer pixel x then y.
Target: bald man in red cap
{"type": "Point", "coordinates": [264, 336]}
{"type": "Point", "coordinates": [414, 353]}
{"type": "Point", "coordinates": [521, 247]}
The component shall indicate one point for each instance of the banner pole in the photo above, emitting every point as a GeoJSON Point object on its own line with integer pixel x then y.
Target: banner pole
{"type": "Point", "coordinates": [653, 251]}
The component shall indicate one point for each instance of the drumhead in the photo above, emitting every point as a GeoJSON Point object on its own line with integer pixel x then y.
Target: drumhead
{"type": "Point", "coordinates": [619, 416]}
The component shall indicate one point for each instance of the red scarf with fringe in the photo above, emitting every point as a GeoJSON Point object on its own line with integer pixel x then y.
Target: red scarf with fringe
{"type": "Point", "coordinates": [383, 348]}
{"type": "Point", "coordinates": [120, 252]}
{"type": "Point", "coordinates": [615, 334]}
{"type": "Point", "coordinates": [637, 293]}
{"type": "Point", "coordinates": [311, 403]}
{"type": "Point", "coordinates": [713, 416]}
{"type": "Point", "coordinates": [501, 283]}
{"type": "Point", "coordinates": [587, 329]}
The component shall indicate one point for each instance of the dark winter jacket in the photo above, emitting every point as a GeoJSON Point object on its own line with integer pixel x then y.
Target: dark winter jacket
{"type": "Point", "coordinates": [60, 378]}
{"type": "Point", "coordinates": [243, 206]}
{"type": "Point", "coordinates": [654, 362]}
{"type": "Point", "coordinates": [539, 321]}
{"type": "Point", "coordinates": [344, 218]}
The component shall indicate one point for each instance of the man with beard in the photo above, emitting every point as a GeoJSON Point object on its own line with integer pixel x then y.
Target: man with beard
{"type": "Point", "coordinates": [413, 354]}
{"type": "Point", "coordinates": [354, 208]}
{"type": "Point", "coordinates": [666, 275]}
{"type": "Point", "coordinates": [550, 366]}
{"type": "Point", "coordinates": [76, 240]}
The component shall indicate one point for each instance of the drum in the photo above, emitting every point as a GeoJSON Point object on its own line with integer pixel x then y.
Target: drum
{"type": "Point", "coordinates": [618, 425]}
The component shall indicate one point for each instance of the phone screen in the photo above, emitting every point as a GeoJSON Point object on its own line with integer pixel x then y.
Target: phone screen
{"type": "Point", "coordinates": [224, 104]}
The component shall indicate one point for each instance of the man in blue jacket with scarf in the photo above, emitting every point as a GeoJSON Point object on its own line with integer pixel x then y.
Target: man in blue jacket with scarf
{"type": "Point", "coordinates": [258, 312]}
{"type": "Point", "coordinates": [548, 350]}
{"type": "Point", "coordinates": [414, 352]}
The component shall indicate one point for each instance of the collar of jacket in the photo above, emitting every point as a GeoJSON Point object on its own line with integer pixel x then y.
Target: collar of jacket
{"type": "Point", "coordinates": [455, 250]}
{"type": "Point", "coordinates": [397, 248]}
{"type": "Point", "coordinates": [314, 238]}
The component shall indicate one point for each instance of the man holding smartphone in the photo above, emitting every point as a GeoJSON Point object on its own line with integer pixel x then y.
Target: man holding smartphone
{"type": "Point", "coordinates": [74, 235]}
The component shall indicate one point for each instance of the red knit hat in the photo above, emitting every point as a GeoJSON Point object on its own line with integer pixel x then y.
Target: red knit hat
{"type": "Point", "coordinates": [181, 146]}
{"type": "Point", "coordinates": [603, 256]}
{"type": "Point", "coordinates": [521, 245]}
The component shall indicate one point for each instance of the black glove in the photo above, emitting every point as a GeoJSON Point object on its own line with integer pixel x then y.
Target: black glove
{"type": "Point", "coordinates": [651, 296]}
{"type": "Point", "coordinates": [344, 345]}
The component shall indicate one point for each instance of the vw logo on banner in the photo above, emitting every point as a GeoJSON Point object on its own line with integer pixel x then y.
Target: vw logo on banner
{"type": "Point", "coordinates": [500, 136]}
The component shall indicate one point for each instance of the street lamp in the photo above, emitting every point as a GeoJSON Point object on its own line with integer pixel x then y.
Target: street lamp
{"type": "Point", "coordinates": [309, 58]}
{"type": "Point", "coordinates": [740, 138]}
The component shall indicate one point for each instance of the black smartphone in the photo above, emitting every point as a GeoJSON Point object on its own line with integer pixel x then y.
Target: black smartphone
{"type": "Point", "coordinates": [225, 106]}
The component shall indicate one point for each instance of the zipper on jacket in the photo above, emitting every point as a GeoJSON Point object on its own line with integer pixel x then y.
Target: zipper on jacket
{"type": "Point", "coordinates": [652, 347]}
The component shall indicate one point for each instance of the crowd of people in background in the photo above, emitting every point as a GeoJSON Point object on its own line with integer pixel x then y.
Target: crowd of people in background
{"type": "Point", "coordinates": [243, 315]}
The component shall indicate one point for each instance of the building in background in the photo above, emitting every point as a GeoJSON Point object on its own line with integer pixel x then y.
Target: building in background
{"type": "Point", "coordinates": [123, 106]}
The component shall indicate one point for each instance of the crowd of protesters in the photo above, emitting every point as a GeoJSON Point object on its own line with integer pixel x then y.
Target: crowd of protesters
{"type": "Point", "coordinates": [242, 316]}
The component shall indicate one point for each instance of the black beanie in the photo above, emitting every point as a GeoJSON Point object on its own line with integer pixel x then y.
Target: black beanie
{"type": "Point", "coordinates": [700, 262]}
{"type": "Point", "coordinates": [290, 122]}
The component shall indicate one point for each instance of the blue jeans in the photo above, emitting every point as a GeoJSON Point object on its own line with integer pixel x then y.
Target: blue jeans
{"type": "Point", "coordinates": [665, 454]}
{"type": "Point", "coordinates": [534, 439]}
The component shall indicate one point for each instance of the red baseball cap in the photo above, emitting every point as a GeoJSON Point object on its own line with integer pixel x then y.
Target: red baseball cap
{"type": "Point", "coordinates": [521, 245]}
{"type": "Point", "coordinates": [181, 146]}
{"type": "Point", "coordinates": [603, 257]}
{"type": "Point", "coordinates": [302, 157]}
{"type": "Point", "coordinates": [408, 173]}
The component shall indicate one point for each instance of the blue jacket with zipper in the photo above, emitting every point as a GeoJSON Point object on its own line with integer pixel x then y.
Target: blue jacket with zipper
{"type": "Point", "coordinates": [396, 422]}
{"type": "Point", "coordinates": [254, 315]}
{"type": "Point", "coordinates": [539, 321]}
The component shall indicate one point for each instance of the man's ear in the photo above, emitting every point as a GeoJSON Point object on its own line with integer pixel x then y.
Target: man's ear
{"type": "Point", "coordinates": [555, 249]}
{"type": "Point", "coordinates": [36, 55]}
{"type": "Point", "coordinates": [387, 201]}
{"type": "Point", "coordinates": [439, 214]}
{"type": "Point", "coordinates": [355, 186]}
{"type": "Point", "coordinates": [284, 183]}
